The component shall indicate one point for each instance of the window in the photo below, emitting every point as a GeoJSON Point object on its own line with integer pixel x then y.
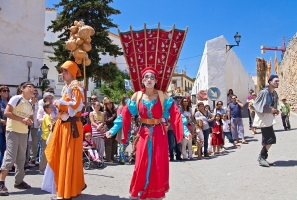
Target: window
{"type": "Point", "coordinates": [60, 79]}
{"type": "Point", "coordinates": [98, 84]}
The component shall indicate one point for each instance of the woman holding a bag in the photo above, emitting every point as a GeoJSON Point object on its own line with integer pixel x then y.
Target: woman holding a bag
{"type": "Point", "coordinates": [206, 117]}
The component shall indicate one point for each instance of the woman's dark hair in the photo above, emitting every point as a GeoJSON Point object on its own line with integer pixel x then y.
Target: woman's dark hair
{"type": "Point", "coordinates": [112, 107]}
{"type": "Point", "coordinates": [220, 121]}
{"type": "Point", "coordinates": [219, 102]}
{"type": "Point", "coordinates": [230, 90]}
{"type": "Point", "coordinates": [182, 104]}
{"type": "Point", "coordinates": [207, 106]}
{"type": "Point", "coordinates": [196, 109]}
{"type": "Point", "coordinates": [123, 101]}
{"type": "Point", "coordinates": [3, 87]}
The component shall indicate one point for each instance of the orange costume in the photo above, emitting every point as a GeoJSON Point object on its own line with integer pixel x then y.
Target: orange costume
{"type": "Point", "coordinates": [64, 149]}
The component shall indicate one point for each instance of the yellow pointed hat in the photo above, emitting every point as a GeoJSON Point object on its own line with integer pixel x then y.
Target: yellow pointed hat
{"type": "Point", "coordinates": [72, 67]}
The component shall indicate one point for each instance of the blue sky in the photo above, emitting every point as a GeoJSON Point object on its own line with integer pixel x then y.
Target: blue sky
{"type": "Point", "coordinates": [259, 22]}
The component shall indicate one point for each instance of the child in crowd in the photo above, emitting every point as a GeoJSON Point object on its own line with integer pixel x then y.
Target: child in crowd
{"type": "Point", "coordinates": [285, 109]}
{"type": "Point", "coordinates": [46, 129]}
{"type": "Point", "coordinates": [226, 130]}
{"type": "Point", "coordinates": [91, 147]}
{"type": "Point", "coordinates": [199, 137]}
{"type": "Point", "coordinates": [98, 128]}
{"type": "Point", "coordinates": [217, 134]}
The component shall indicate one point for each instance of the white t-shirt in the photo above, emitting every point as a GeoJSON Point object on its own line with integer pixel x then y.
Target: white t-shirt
{"type": "Point", "coordinates": [23, 109]}
{"type": "Point", "coordinates": [200, 133]}
{"type": "Point", "coordinates": [226, 125]}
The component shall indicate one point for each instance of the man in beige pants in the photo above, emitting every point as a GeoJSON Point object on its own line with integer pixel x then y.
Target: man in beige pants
{"type": "Point", "coordinates": [19, 113]}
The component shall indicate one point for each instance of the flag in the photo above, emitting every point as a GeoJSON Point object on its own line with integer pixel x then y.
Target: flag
{"type": "Point", "coordinates": [269, 69]}
{"type": "Point", "coordinates": [275, 63]}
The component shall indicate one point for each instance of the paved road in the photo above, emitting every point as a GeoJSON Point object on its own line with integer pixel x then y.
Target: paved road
{"type": "Point", "coordinates": [235, 175]}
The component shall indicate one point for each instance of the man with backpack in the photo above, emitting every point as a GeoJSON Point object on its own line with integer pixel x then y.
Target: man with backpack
{"type": "Point", "coordinates": [19, 113]}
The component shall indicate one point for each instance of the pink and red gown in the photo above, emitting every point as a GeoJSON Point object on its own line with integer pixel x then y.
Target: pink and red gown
{"type": "Point", "coordinates": [151, 172]}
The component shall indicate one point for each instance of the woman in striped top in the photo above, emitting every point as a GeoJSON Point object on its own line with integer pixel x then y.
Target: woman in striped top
{"type": "Point", "coordinates": [97, 123]}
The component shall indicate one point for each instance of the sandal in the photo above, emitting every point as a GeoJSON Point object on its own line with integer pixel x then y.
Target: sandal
{"type": "Point", "coordinates": [244, 142]}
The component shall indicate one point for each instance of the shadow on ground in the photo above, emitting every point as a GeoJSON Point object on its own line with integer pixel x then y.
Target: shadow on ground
{"type": "Point", "coordinates": [101, 197]}
{"type": "Point", "coordinates": [284, 163]}
{"type": "Point", "coordinates": [33, 190]}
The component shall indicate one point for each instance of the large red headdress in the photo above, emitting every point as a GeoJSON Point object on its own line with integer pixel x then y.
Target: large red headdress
{"type": "Point", "coordinates": [156, 49]}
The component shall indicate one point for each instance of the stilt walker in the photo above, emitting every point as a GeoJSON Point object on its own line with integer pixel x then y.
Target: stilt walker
{"type": "Point", "coordinates": [64, 149]}
{"type": "Point", "coordinates": [151, 55]}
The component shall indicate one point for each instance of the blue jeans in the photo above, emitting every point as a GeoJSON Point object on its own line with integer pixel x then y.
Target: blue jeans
{"type": "Point", "coordinates": [172, 145]}
{"type": "Point", "coordinates": [229, 136]}
{"type": "Point", "coordinates": [206, 136]}
{"type": "Point", "coordinates": [2, 146]}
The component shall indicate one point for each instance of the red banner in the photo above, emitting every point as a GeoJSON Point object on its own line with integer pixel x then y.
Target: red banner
{"type": "Point", "coordinates": [152, 48]}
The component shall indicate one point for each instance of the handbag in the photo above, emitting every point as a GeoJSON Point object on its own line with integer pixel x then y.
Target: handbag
{"type": "Point", "coordinates": [211, 124]}
{"type": "Point", "coordinates": [262, 120]}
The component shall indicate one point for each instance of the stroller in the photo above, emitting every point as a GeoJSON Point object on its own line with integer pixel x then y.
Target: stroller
{"type": "Point", "coordinates": [88, 163]}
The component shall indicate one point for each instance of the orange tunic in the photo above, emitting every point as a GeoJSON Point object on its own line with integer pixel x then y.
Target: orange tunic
{"type": "Point", "coordinates": [64, 153]}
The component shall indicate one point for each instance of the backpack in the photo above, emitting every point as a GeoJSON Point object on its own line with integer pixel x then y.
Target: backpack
{"type": "Point", "coordinates": [161, 96]}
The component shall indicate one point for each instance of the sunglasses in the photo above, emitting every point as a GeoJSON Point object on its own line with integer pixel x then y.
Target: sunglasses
{"type": "Point", "coordinates": [35, 93]}
{"type": "Point", "coordinates": [93, 99]}
{"type": "Point", "coordinates": [149, 77]}
{"type": "Point", "coordinates": [5, 91]}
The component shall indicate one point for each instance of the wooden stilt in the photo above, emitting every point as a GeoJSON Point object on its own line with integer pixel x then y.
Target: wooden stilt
{"type": "Point", "coordinates": [181, 46]}
{"type": "Point", "coordinates": [85, 82]}
{"type": "Point", "coordinates": [156, 55]}
{"type": "Point", "coordinates": [145, 45]}
{"type": "Point", "coordinates": [135, 59]}
{"type": "Point", "coordinates": [168, 52]}
{"type": "Point", "coordinates": [125, 55]}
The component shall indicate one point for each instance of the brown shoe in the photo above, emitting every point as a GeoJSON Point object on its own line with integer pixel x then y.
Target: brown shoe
{"type": "Point", "coordinates": [23, 186]}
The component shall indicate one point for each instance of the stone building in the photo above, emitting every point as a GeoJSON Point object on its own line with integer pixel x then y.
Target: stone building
{"type": "Point", "coordinates": [223, 70]}
{"type": "Point", "coordinates": [288, 74]}
{"type": "Point", "coordinates": [181, 84]}
{"type": "Point", "coordinates": [21, 41]}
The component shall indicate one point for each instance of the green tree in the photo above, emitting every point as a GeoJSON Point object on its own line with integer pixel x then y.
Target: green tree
{"type": "Point", "coordinates": [115, 89]}
{"type": "Point", "coordinates": [95, 13]}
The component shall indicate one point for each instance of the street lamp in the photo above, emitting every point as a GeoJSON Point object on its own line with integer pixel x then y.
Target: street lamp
{"type": "Point", "coordinates": [237, 38]}
{"type": "Point", "coordinates": [44, 70]}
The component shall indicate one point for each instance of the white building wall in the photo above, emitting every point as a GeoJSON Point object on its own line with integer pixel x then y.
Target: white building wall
{"type": "Point", "coordinates": [201, 82]}
{"type": "Point", "coordinates": [49, 36]}
{"type": "Point", "coordinates": [22, 32]}
{"type": "Point", "coordinates": [222, 70]}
